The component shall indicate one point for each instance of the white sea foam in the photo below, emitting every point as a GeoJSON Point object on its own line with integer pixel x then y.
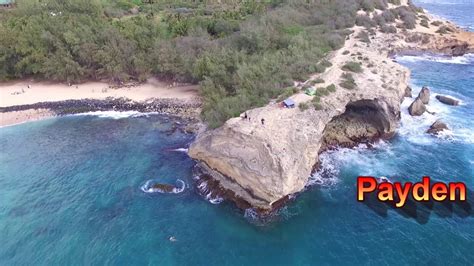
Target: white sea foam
{"type": "Point", "coordinates": [114, 114]}
{"type": "Point", "coordinates": [180, 150]}
{"type": "Point", "coordinates": [362, 159]}
{"type": "Point", "coordinates": [208, 195]}
{"type": "Point", "coordinates": [462, 60]}
{"type": "Point", "coordinates": [414, 128]}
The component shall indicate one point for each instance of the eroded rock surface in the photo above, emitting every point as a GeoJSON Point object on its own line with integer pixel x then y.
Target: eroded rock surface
{"type": "Point", "coordinates": [447, 100]}
{"type": "Point", "coordinates": [417, 107]}
{"type": "Point", "coordinates": [437, 127]}
{"type": "Point", "coordinates": [424, 95]}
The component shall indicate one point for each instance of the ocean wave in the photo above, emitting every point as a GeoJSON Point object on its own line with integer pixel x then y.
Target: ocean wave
{"type": "Point", "coordinates": [361, 157]}
{"type": "Point", "coordinates": [114, 114]}
{"type": "Point", "coordinates": [414, 128]}
{"type": "Point", "coordinates": [180, 150]}
{"type": "Point", "coordinates": [207, 193]}
{"type": "Point", "coordinates": [461, 60]}
{"type": "Point", "coordinates": [148, 187]}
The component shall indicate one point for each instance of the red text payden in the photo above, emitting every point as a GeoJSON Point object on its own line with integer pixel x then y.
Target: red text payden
{"type": "Point", "coordinates": [421, 191]}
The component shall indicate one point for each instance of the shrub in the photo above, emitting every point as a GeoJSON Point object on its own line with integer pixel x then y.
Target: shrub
{"type": "Point", "coordinates": [318, 80]}
{"type": "Point", "coordinates": [389, 29]}
{"type": "Point", "coordinates": [364, 21]}
{"type": "Point", "coordinates": [331, 88]}
{"type": "Point", "coordinates": [317, 106]}
{"type": "Point", "coordinates": [388, 16]}
{"type": "Point", "coordinates": [346, 52]}
{"type": "Point", "coordinates": [287, 93]}
{"type": "Point", "coordinates": [443, 30]}
{"type": "Point", "coordinates": [363, 36]}
{"type": "Point", "coordinates": [348, 81]}
{"type": "Point", "coordinates": [353, 67]}
{"type": "Point", "coordinates": [303, 106]}
{"type": "Point", "coordinates": [437, 23]}
{"type": "Point", "coordinates": [424, 23]}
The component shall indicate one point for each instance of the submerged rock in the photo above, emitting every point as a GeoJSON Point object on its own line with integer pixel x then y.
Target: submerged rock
{"type": "Point", "coordinates": [417, 108]}
{"type": "Point", "coordinates": [166, 188]}
{"type": "Point", "coordinates": [447, 100]}
{"type": "Point", "coordinates": [424, 95]}
{"type": "Point", "coordinates": [437, 127]}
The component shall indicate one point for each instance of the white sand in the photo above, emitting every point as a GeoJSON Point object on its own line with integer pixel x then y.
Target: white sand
{"type": "Point", "coordinates": [18, 93]}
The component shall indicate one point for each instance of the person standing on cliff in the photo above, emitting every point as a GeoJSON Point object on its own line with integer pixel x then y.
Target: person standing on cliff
{"type": "Point", "coordinates": [263, 121]}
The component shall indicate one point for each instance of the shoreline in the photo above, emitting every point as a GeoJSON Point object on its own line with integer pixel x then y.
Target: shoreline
{"type": "Point", "coordinates": [24, 101]}
{"type": "Point", "coordinates": [225, 180]}
{"type": "Point", "coordinates": [18, 114]}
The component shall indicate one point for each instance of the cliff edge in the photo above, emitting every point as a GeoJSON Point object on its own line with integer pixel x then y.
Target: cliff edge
{"type": "Point", "coordinates": [269, 155]}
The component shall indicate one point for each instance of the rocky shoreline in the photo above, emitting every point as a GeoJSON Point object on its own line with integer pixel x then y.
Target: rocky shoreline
{"type": "Point", "coordinates": [261, 166]}
{"type": "Point", "coordinates": [187, 110]}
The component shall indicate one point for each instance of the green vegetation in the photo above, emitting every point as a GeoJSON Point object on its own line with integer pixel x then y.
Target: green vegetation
{"type": "Point", "coordinates": [317, 81]}
{"type": "Point", "coordinates": [242, 53]}
{"type": "Point", "coordinates": [303, 106]}
{"type": "Point", "coordinates": [353, 67]}
{"type": "Point", "coordinates": [363, 36]}
{"type": "Point", "coordinates": [424, 23]}
{"type": "Point", "coordinates": [437, 23]}
{"type": "Point", "coordinates": [331, 88]}
{"type": "Point", "coordinates": [287, 93]}
{"type": "Point", "coordinates": [443, 30]}
{"type": "Point", "coordinates": [348, 81]}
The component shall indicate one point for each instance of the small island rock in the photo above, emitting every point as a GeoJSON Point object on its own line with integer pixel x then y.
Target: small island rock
{"type": "Point", "coordinates": [417, 108]}
{"type": "Point", "coordinates": [424, 95]}
{"type": "Point", "coordinates": [447, 100]}
{"type": "Point", "coordinates": [437, 127]}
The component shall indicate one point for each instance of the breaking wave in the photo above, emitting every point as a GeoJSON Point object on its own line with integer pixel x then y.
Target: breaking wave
{"type": "Point", "coordinates": [462, 60]}
{"type": "Point", "coordinates": [206, 192]}
{"type": "Point", "coordinates": [114, 114]}
{"type": "Point", "coordinates": [180, 150]}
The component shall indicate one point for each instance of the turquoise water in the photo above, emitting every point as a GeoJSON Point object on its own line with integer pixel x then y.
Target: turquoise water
{"type": "Point", "coordinates": [458, 11]}
{"type": "Point", "coordinates": [70, 194]}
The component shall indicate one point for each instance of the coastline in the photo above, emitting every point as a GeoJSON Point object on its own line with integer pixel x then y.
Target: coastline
{"type": "Point", "coordinates": [25, 101]}
{"type": "Point", "coordinates": [232, 175]}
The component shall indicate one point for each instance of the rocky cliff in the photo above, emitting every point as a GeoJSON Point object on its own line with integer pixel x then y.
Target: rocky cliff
{"type": "Point", "coordinates": [270, 155]}
{"type": "Point", "coordinates": [264, 162]}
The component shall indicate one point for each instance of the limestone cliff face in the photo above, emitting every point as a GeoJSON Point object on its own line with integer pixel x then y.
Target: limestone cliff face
{"type": "Point", "coordinates": [263, 163]}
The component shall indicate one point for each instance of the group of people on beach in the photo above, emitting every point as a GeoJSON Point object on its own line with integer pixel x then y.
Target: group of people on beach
{"type": "Point", "coordinates": [22, 90]}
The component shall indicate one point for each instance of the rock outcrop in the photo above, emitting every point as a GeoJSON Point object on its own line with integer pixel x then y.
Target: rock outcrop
{"type": "Point", "coordinates": [408, 92]}
{"type": "Point", "coordinates": [424, 95]}
{"type": "Point", "coordinates": [263, 165]}
{"type": "Point", "coordinates": [417, 107]}
{"type": "Point", "coordinates": [437, 127]}
{"type": "Point", "coordinates": [447, 100]}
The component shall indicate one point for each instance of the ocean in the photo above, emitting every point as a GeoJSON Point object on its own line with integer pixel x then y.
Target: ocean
{"type": "Point", "coordinates": [73, 190]}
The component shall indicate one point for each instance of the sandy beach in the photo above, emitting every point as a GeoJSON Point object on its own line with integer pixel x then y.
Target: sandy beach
{"type": "Point", "coordinates": [30, 92]}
